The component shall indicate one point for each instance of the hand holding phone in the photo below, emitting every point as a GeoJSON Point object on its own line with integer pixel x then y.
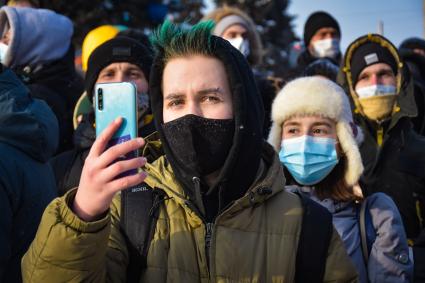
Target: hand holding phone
{"type": "Point", "coordinates": [112, 163]}
{"type": "Point", "coordinates": [114, 100]}
{"type": "Point", "coordinates": [100, 176]}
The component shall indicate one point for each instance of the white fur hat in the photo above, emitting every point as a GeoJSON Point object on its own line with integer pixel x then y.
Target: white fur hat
{"type": "Point", "coordinates": [316, 95]}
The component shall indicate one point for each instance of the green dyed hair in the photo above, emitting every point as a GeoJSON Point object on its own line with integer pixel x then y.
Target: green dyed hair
{"type": "Point", "coordinates": [172, 40]}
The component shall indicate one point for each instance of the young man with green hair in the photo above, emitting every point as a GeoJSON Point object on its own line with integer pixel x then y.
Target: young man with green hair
{"type": "Point", "coordinates": [222, 214]}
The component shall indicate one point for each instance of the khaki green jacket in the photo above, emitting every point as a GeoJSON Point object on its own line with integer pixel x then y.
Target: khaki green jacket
{"type": "Point", "coordinates": [254, 240]}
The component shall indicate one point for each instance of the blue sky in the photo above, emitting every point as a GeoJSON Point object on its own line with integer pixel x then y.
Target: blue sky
{"type": "Point", "coordinates": [401, 18]}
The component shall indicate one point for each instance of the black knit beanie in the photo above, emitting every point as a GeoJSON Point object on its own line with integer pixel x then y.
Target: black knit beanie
{"type": "Point", "coordinates": [118, 49]}
{"type": "Point", "coordinates": [413, 43]}
{"type": "Point", "coordinates": [369, 54]}
{"type": "Point", "coordinates": [317, 21]}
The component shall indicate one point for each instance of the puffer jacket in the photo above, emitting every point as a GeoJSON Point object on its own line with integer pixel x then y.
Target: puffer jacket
{"type": "Point", "coordinates": [389, 254]}
{"type": "Point", "coordinates": [28, 138]}
{"type": "Point", "coordinates": [67, 249]}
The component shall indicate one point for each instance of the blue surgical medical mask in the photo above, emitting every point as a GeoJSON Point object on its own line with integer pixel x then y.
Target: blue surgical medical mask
{"type": "Point", "coordinates": [308, 159]}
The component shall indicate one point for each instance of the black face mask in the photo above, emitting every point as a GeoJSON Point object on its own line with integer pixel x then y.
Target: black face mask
{"type": "Point", "coordinates": [199, 143]}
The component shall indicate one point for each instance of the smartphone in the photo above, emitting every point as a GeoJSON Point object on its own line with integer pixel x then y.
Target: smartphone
{"type": "Point", "coordinates": [113, 100]}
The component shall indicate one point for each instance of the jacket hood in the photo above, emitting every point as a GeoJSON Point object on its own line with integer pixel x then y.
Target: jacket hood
{"type": "Point", "coordinates": [256, 52]}
{"type": "Point", "coordinates": [58, 76]}
{"type": "Point", "coordinates": [25, 123]}
{"type": "Point", "coordinates": [239, 169]}
{"type": "Point", "coordinates": [37, 35]}
{"type": "Point", "coordinates": [415, 63]}
{"type": "Point", "coordinates": [405, 104]}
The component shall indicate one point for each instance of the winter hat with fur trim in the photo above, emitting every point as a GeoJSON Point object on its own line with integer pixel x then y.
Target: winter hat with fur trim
{"type": "Point", "coordinates": [315, 95]}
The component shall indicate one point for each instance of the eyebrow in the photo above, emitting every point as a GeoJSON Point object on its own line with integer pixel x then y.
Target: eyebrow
{"type": "Point", "coordinates": [174, 96]}
{"type": "Point", "coordinates": [134, 68]}
{"type": "Point", "coordinates": [177, 95]}
{"type": "Point", "coordinates": [216, 90]}
{"type": "Point", "coordinates": [291, 124]}
{"type": "Point", "coordinates": [322, 124]}
{"type": "Point", "coordinates": [107, 70]}
{"type": "Point", "coordinates": [313, 124]}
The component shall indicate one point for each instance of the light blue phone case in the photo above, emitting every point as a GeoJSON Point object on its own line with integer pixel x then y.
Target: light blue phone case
{"type": "Point", "coordinates": [118, 100]}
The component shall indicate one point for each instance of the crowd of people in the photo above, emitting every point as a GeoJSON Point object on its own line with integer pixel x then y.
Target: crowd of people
{"type": "Point", "coordinates": [239, 179]}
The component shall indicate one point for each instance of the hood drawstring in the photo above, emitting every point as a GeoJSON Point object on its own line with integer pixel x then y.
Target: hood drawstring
{"type": "Point", "coordinates": [221, 187]}
{"type": "Point", "coordinates": [403, 142]}
{"type": "Point", "coordinates": [198, 194]}
{"type": "Point", "coordinates": [159, 196]}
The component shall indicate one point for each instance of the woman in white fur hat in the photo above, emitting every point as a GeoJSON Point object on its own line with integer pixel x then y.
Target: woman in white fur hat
{"type": "Point", "coordinates": [317, 141]}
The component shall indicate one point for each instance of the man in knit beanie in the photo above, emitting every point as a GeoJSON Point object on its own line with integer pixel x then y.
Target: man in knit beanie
{"type": "Point", "coordinates": [382, 95]}
{"type": "Point", "coordinates": [322, 36]}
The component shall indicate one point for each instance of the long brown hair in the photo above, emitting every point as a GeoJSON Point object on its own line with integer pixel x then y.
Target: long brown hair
{"type": "Point", "coordinates": [334, 186]}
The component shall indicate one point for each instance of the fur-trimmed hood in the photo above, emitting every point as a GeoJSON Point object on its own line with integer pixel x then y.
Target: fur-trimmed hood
{"type": "Point", "coordinates": [256, 53]}
{"type": "Point", "coordinates": [405, 104]}
{"type": "Point", "coordinates": [315, 95]}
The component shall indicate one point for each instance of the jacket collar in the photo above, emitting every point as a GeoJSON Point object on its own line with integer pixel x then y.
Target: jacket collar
{"type": "Point", "coordinates": [269, 181]}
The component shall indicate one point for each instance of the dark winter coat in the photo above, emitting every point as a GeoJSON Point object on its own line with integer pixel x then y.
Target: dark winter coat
{"type": "Point", "coordinates": [416, 66]}
{"type": "Point", "coordinates": [305, 59]}
{"type": "Point", "coordinates": [397, 166]}
{"type": "Point", "coordinates": [58, 84]}
{"type": "Point", "coordinates": [28, 138]}
{"type": "Point", "coordinates": [40, 52]}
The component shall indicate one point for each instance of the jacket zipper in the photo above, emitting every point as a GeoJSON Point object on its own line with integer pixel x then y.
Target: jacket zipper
{"type": "Point", "coordinates": [209, 227]}
{"type": "Point", "coordinates": [208, 237]}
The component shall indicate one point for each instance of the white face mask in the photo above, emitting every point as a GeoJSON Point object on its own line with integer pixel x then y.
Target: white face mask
{"type": "Point", "coordinates": [240, 44]}
{"type": "Point", "coordinates": [376, 90]}
{"type": "Point", "coordinates": [3, 51]}
{"type": "Point", "coordinates": [326, 48]}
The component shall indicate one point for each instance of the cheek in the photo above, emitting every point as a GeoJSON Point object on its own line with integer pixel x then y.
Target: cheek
{"type": "Point", "coordinates": [389, 81]}
{"type": "Point", "coordinates": [168, 115]}
{"type": "Point", "coordinates": [142, 85]}
{"type": "Point", "coordinates": [223, 111]}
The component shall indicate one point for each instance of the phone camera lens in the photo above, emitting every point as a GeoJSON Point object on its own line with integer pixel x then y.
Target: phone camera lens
{"type": "Point", "coordinates": [100, 98]}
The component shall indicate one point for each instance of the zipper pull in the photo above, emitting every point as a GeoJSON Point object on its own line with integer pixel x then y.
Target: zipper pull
{"type": "Point", "coordinates": [380, 136]}
{"type": "Point", "coordinates": [208, 234]}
